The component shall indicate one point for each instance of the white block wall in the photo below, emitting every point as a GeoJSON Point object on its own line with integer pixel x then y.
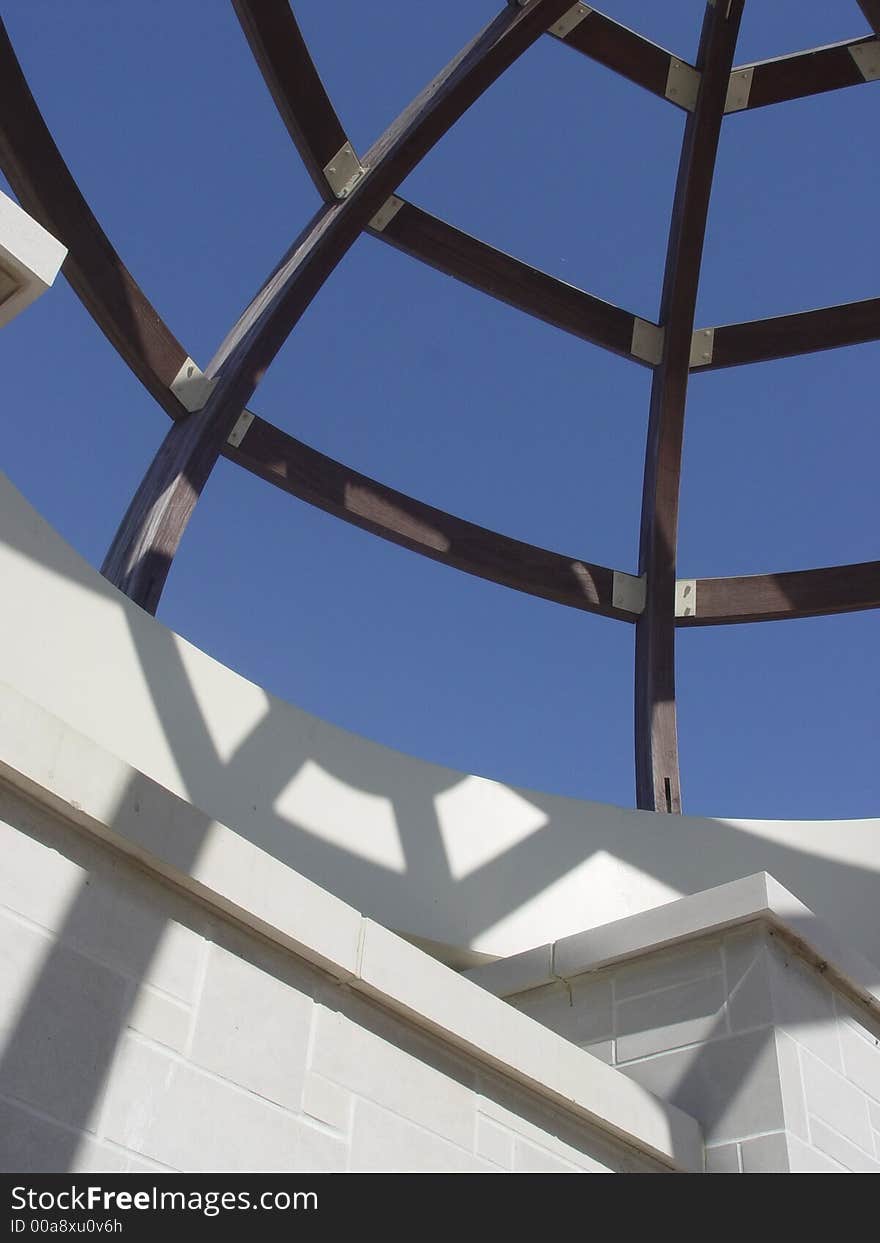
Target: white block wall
{"type": "Point", "coordinates": [142, 1031]}
{"type": "Point", "coordinates": [780, 1068]}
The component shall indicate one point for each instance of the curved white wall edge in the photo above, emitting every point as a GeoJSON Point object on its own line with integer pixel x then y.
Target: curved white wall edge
{"type": "Point", "coordinates": [434, 853]}
{"type": "Point", "coordinates": [83, 784]}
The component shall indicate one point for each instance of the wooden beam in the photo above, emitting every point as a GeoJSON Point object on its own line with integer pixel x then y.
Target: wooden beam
{"type": "Point", "coordinates": [657, 768]}
{"type": "Point", "coordinates": [140, 556]}
{"type": "Point", "coordinates": [801, 74]}
{"type": "Point", "coordinates": [778, 597]}
{"type": "Point", "coordinates": [289, 72]}
{"type": "Point", "coordinates": [871, 10]}
{"type": "Point", "coordinates": [457, 254]}
{"type": "Point", "coordinates": [45, 187]}
{"type": "Point", "coordinates": [786, 336]}
{"type": "Point", "coordinates": [305, 473]}
{"type": "Point", "coordinates": [624, 52]}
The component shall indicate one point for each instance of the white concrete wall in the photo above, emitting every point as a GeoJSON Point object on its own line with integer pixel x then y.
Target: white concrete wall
{"type": "Point", "coordinates": [437, 853]}
{"type": "Point", "coordinates": [779, 1066]}
{"type": "Point", "coordinates": [142, 1030]}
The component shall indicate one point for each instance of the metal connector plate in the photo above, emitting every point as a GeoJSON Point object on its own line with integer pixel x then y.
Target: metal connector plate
{"type": "Point", "coordinates": [647, 341]}
{"type": "Point", "coordinates": [686, 597]}
{"type": "Point", "coordinates": [344, 171]}
{"type": "Point", "coordinates": [628, 592]}
{"type": "Point", "coordinates": [191, 386]}
{"type": "Point", "coordinates": [738, 90]}
{"type": "Point", "coordinates": [867, 57]}
{"type": "Point", "coordinates": [569, 20]}
{"type": "Point", "coordinates": [682, 84]}
{"type": "Point", "coordinates": [702, 343]}
{"type": "Point", "coordinates": [239, 431]}
{"type": "Point", "coordinates": [386, 213]}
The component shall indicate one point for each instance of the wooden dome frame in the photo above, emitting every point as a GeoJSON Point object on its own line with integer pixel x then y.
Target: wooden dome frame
{"type": "Point", "coordinates": [209, 410]}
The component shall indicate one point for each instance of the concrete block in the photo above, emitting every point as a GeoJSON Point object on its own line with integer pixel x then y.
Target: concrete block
{"type": "Point", "coordinates": [835, 1101]}
{"type": "Point", "coordinates": [384, 1142]}
{"type": "Point", "coordinates": [252, 1028]}
{"type": "Point", "coordinates": [35, 881]}
{"type": "Point", "coordinates": [582, 1015]}
{"type": "Point", "coordinates": [874, 1115]}
{"type": "Point", "coordinates": [804, 1159]}
{"type": "Point", "coordinates": [517, 974]}
{"type": "Point", "coordinates": [766, 1154]}
{"type": "Point", "coordinates": [61, 1022]}
{"type": "Point", "coordinates": [841, 1150]}
{"type": "Point", "coordinates": [376, 1067]}
{"type": "Point", "coordinates": [678, 1016]}
{"type": "Point", "coordinates": [160, 1017]}
{"type": "Point", "coordinates": [861, 1060]}
{"type": "Point", "coordinates": [730, 1086]}
{"type": "Point", "coordinates": [803, 1005]}
{"type": "Point", "coordinates": [171, 1112]}
{"type": "Point", "coordinates": [750, 1004]}
{"type": "Point", "coordinates": [739, 949]}
{"type": "Point", "coordinates": [528, 1159]}
{"type": "Point", "coordinates": [32, 1144]}
{"type": "Point", "coordinates": [676, 966]}
{"type": "Point", "coordinates": [602, 1049]}
{"type": "Point", "coordinates": [494, 1143]}
{"type": "Point", "coordinates": [723, 1159]}
{"type": "Point", "coordinates": [791, 1083]}
{"type": "Point", "coordinates": [327, 1103]}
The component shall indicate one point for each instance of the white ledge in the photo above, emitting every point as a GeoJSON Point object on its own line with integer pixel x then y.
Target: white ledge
{"type": "Point", "coordinates": [30, 258]}
{"type": "Point", "coordinates": [754, 898]}
{"type": "Point", "coordinates": [89, 787]}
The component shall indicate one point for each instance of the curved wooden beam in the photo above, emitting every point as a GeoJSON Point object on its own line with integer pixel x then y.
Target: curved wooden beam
{"type": "Point", "coordinates": [140, 556]}
{"type": "Point", "coordinates": [799, 74]}
{"type": "Point", "coordinates": [871, 10]}
{"type": "Point", "coordinates": [777, 597]}
{"type": "Point", "coordinates": [357, 499]}
{"type": "Point", "coordinates": [43, 183]}
{"type": "Point", "coordinates": [293, 81]}
{"type": "Point", "coordinates": [785, 336]}
{"type": "Point", "coordinates": [658, 785]}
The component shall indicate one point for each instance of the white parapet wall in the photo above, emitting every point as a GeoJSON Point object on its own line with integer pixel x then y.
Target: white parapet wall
{"type": "Point", "coordinates": [440, 855]}
{"type": "Point", "coordinates": [30, 259]}
{"type": "Point", "coordinates": [175, 998]}
{"type": "Point", "coordinates": [739, 1005]}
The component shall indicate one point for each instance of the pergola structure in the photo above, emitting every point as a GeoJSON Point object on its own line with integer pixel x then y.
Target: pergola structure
{"type": "Point", "coordinates": [209, 409]}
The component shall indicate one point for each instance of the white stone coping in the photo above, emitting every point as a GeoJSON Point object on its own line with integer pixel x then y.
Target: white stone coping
{"type": "Point", "coordinates": [101, 794]}
{"type": "Point", "coordinates": [751, 899]}
{"type": "Point", "coordinates": [29, 254]}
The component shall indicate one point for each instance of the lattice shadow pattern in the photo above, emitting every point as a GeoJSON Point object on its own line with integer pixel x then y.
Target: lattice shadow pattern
{"type": "Point", "coordinates": [209, 410]}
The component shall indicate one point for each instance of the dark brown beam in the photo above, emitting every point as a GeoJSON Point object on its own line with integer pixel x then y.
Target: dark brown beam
{"type": "Point", "coordinates": [803, 73]}
{"type": "Point", "coordinates": [623, 51]}
{"type": "Point", "coordinates": [317, 479]}
{"type": "Point", "coordinates": [45, 187]}
{"type": "Point", "coordinates": [295, 85]}
{"type": "Point", "coordinates": [871, 10]}
{"type": "Point", "coordinates": [785, 336]}
{"type": "Point", "coordinates": [140, 556]}
{"type": "Point", "coordinates": [657, 769]}
{"type": "Point", "coordinates": [479, 265]}
{"type": "Point", "coordinates": [794, 593]}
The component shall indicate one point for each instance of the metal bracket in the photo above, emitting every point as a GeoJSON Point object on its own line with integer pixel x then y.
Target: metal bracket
{"type": "Point", "coordinates": [191, 386]}
{"type": "Point", "coordinates": [239, 431]}
{"type": "Point", "coordinates": [682, 84]}
{"type": "Point", "coordinates": [628, 592]}
{"type": "Point", "coordinates": [386, 213]}
{"type": "Point", "coordinates": [738, 89]}
{"type": "Point", "coordinates": [647, 341]}
{"type": "Point", "coordinates": [867, 57]}
{"type": "Point", "coordinates": [702, 343]}
{"type": "Point", "coordinates": [685, 597]}
{"type": "Point", "coordinates": [344, 171]}
{"type": "Point", "coordinates": [569, 20]}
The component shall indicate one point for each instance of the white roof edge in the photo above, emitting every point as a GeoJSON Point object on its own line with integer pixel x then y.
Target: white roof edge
{"type": "Point", "coordinates": [30, 253]}
{"type": "Point", "coordinates": [751, 898]}
{"type": "Point", "coordinates": [88, 786]}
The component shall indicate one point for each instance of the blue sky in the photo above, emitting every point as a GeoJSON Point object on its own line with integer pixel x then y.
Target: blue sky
{"type": "Point", "coordinates": [437, 390]}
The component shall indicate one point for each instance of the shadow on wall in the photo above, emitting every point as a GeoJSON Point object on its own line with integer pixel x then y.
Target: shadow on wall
{"type": "Point", "coordinates": [423, 849]}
